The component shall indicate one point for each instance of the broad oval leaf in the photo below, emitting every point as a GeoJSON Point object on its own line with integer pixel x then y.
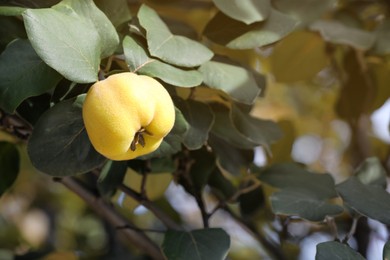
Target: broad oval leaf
{"type": "Point", "coordinates": [174, 49]}
{"type": "Point", "coordinates": [139, 61]}
{"type": "Point", "coordinates": [116, 10]}
{"type": "Point", "coordinates": [299, 56]}
{"type": "Point", "coordinates": [66, 42]}
{"type": "Point", "coordinates": [108, 37]}
{"type": "Point", "coordinates": [306, 11]}
{"type": "Point", "coordinates": [23, 74]}
{"type": "Point", "coordinates": [231, 159]}
{"type": "Point", "coordinates": [337, 32]}
{"type": "Point", "coordinates": [237, 35]}
{"type": "Point", "coordinates": [200, 119]}
{"type": "Point", "coordinates": [236, 81]}
{"type": "Point", "coordinates": [304, 204]}
{"type": "Point", "coordinates": [245, 11]}
{"type": "Point", "coordinates": [260, 131]}
{"type": "Point", "coordinates": [59, 144]}
{"type": "Point", "coordinates": [292, 176]}
{"type": "Point", "coordinates": [369, 200]}
{"type": "Point", "coordinates": [211, 243]}
{"type": "Point", "coordinates": [224, 128]}
{"type": "Point", "coordinates": [9, 165]}
{"type": "Point", "coordinates": [336, 251]}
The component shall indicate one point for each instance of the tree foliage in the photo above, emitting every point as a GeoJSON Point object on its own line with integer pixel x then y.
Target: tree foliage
{"type": "Point", "coordinates": [245, 77]}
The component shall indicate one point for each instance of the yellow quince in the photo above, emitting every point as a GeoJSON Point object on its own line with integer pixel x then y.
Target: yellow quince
{"type": "Point", "coordinates": [127, 115]}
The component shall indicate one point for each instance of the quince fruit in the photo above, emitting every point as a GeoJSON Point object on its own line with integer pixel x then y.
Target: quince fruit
{"type": "Point", "coordinates": [127, 115]}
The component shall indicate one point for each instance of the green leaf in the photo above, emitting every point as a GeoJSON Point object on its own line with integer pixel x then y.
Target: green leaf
{"type": "Point", "coordinates": [259, 131]}
{"type": "Point", "coordinates": [9, 165]}
{"type": "Point", "coordinates": [372, 172]}
{"type": "Point", "coordinates": [11, 28]}
{"type": "Point", "coordinates": [302, 203]}
{"type": "Point", "coordinates": [221, 186]}
{"type": "Point", "coordinates": [172, 142]}
{"type": "Point", "coordinates": [139, 61]}
{"type": "Point", "coordinates": [177, 50]}
{"type": "Point", "coordinates": [292, 176]}
{"type": "Point", "coordinates": [236, 81]}
{"type": "Point", "coordinates": [382, 43]}
{"type": "Point", "coordinates": [108, 37]}
{"type": "Point", "coordinates": [23, 74]}
{"type": "Point", "coordinates": [338, 33]}
{"type": "Point", "coordinates": [49, 29]}
{"type": "Point", "coordinates": [212, 243]}
{"type": "Point", "coordinates": [201, 168]}
{"type": "Point", "coordinates": [231, 159]}
{"type": "Point", "coordinates": [299, 56]}
{"type": "Point", "coordinates": [116, 10]}
{"type": "Point", "coordinates": [245, 11]}
{"type": "Point", "coordinates": [237, 35]}
{"type": "Point", "coordinates": [369, 200]}
{"type": "Point", "coordinates": [224, 128]}
{"type": "Point", "coordinates": [11, 10]}
{"type": "Point", "coordinates": [386, 251]}
{"type": "Point", "coordinates": [59, 144]}
{"type": "Point", "coordinates": [77, 32]}
{"type": "Point", "coordinates": [336, 251]}
{"type": "Point", "coordinates": [200, 119]}
{"type": "Point", "coordinates": [114, 173]}
{"type": "Point", "coordinates": [305, 11]}
{"type": "Point", "coordinates": [251, 202]}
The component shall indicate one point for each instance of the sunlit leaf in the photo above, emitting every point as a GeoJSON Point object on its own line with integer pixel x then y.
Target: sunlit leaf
{"type": "Point", "coordinates": [299, 56]}
{"type": "Point", "coordinates": [139, 61]}
{"type": "Point", "coordinates": [9, 165]}
{"type": "Point", "coordinates": [23, 74]}
{"type": "Point", "coordinates": [77, 32]}
{"type": "Point", "coordinates": [59, 144]}
{"type": "Point", "coordinates": [108, 38]}
{"type": "Point", "coordinates": [369, 200]}
{"type": "Point", "coordinates": [302, 203]}
{"type": "Point", "coordinates": [212, 243]}
{"type": "Point", "coordinates": [245, 11]}
{"type": "Point", "coordinates": [238, 35]}
{"type": "Point", "coordinates": [337, 32]}
{"type": "Point", "coordinates": [337, 251]}
{"type": "Point", "coordinates": [236, 81]}
{"type": "Point", "coordinates": [200, 119]}
{"type": "Point", "coordinates": [174, 49]}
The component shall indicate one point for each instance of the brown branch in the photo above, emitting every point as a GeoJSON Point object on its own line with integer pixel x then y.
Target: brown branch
{"type": "Point", "coordinates": [165, 219]}
{"type": "Point", "coordinates": [138, 239]}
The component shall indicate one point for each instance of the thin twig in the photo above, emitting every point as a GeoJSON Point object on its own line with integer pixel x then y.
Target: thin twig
{"type": "Point", "coordinates": [333, 228]}
{"type": "Point", "coordinates": [139, 239]}
{"type": "Point", "coordinates": [352, 230]}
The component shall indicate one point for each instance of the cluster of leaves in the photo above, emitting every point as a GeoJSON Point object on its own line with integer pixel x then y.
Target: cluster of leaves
{"type": "Point", "coordinates": [57, 52]}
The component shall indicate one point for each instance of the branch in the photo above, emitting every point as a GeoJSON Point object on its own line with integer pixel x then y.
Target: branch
{"type": "Point", "coordinates": [165, 219]}
{"type": "Point", "coordinates": [139, 239]}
